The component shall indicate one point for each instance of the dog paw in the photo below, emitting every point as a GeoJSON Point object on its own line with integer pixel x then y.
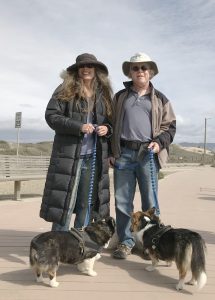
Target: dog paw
{"type": "Point", "coordinates": [150, 268]}
{"type": "Point", "coordinates": [92, 273]}
{"type": "Point", "coordinates": [54, 283]}
{"type": "Point", "coordinates": [179, 287]}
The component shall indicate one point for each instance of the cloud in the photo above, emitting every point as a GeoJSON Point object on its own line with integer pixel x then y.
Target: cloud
{"type": "Point", "coordinates": [40, 38]}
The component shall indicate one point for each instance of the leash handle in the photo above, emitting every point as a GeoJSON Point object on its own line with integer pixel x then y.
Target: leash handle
{"type": "Point", "coordinates": [152, 172]}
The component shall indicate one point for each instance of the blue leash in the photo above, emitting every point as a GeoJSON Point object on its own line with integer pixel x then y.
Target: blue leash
{"type": "Point", "coordinates": [92, 175]}
{"type": "Point", "coordinates": [152, 171]}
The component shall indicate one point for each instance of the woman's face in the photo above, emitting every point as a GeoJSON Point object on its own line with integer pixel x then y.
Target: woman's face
{"type": "Point", "coordinates": [86, 72]}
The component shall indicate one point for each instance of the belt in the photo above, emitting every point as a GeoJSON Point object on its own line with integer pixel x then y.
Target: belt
{"type": "Point", "coordinates": [133, 145]}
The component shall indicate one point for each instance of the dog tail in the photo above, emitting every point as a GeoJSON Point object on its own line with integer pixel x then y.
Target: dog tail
{"type": "Point", "coordinates": [33, 257]}
{"type": "Point", "coordinates": [198, 261]}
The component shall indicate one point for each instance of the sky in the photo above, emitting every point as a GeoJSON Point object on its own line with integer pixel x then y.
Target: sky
{"type": "Point", "coordinates": [40, 38]}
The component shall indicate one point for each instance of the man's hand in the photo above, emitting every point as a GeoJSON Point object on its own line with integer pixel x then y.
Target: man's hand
{"type": "Point", "coordinates": [154, 146]}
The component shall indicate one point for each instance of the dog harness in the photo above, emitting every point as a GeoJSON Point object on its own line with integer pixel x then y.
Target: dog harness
{"type": "Point", "coordinates": [85, 240]}
{"type": "Point", "coordinates": [78, 237]}
{"type": "Point", "coordinates": [154, 240]}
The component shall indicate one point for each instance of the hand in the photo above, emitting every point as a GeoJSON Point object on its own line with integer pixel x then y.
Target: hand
{"type": "Point", "coordinates": [88, 128]}
{"type": "Point", "coordinates": [102, 130]}
{"type": "Point", "coordinates": [154, 146]}
{"type": "Point", "coordinates": [111, 161]}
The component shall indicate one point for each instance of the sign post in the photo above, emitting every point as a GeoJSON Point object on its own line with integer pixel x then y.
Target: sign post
{"type": "Point", "coordinates": [18, 123]}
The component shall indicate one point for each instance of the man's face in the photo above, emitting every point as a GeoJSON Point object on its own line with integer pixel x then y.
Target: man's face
{"type": "Point", "coordinates": [139, 73]}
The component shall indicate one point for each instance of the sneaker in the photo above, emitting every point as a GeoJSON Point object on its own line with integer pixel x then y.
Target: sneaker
{"type": "Point", "coordinates": [122, 251]}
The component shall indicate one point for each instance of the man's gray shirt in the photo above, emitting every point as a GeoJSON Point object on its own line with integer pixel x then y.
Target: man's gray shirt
{"type": "Point", "coordinates": [137, 122]}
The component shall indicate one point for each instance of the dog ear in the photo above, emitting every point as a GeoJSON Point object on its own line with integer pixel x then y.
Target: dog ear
{"type": "Point", "coordinates": [111, 222]}
{"type": "Point", "coordinates": [147, 219]}
{"type": "Point", "coordinates": [151, 211]}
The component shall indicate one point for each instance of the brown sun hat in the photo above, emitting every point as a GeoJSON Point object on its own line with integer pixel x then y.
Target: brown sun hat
{"type": "Point", "coordinates": [139, 58]}
{"type": "Point", "coordinates": [86, 58]}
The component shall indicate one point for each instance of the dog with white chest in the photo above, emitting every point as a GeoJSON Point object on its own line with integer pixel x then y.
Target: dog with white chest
{"type": "Point", "coordinates": [81, 248]}
{"type": "Point", "coordinates": [185, 247]}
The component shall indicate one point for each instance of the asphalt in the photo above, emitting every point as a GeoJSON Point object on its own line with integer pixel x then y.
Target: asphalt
{"type": "Point", "coordinates": [187, 199]}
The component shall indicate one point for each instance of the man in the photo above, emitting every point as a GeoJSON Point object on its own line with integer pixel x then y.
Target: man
{"type": "Point", "coordinates": [144, 122]}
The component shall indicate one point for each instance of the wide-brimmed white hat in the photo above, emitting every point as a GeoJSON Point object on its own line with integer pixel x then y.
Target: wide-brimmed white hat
{"type": "Point", "coordinates": [140, 57]}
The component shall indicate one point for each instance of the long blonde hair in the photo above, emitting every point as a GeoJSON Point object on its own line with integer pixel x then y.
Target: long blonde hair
{"type": "Point", "coordinates": [73, 88]}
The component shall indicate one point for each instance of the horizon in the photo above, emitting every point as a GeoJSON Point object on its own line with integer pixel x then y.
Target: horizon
{"type": "Point", "coordinates": [51, 140]}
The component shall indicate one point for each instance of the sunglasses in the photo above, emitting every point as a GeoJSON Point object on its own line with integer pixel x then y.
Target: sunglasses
{"type": "Point", "coordinates": [137, 68]}
{"type": "Point", "coordinates": [90, 66]}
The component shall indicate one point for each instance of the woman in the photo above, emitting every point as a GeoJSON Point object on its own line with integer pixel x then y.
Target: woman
{"type": "Point", "coordinates": [80, 112]}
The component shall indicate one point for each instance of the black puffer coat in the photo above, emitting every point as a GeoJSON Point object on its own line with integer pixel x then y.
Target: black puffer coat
{"type": "Point", "coordinates": [66, 118]}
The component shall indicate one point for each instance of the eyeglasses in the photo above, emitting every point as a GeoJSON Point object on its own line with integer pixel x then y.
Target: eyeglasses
{"type": "Point", "coordinates": [137, 68]}
{"type": "Point", "coordinates": [90, 66]}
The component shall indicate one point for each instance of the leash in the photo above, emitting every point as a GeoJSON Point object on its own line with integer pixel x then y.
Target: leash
{"type": "Point", "coordinates": [152, 172]}
{"type": "Point", "coordinates": [92, 176]}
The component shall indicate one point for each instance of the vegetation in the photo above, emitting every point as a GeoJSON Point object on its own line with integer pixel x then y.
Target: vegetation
{"type": "Point", "coordinates": [28, 149]}
{"type": "Point", "coordinates": [177, 153]}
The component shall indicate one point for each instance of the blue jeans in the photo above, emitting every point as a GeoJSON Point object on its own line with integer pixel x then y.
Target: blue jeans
{"type": "Point", "coordinates": [82, 209]}
{"type": "Point", "coordinates": [80, 195]}
{"type": "Point", "coordinates": [128, 170]}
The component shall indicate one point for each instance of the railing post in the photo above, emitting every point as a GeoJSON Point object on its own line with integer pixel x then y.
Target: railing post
{"type": "Point", "coordinates": [205, 138]}
{"type": "Point", "coordinates": [17, 190]}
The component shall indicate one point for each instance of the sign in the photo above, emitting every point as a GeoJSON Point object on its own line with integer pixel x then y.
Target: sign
{"type": "Point", "coordinates": [18, 120]}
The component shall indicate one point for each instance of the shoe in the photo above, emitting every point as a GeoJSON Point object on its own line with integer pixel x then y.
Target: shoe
{"type": "Point", "coordinates": [122, 251]}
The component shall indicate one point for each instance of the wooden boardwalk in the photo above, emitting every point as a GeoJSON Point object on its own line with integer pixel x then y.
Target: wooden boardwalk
{"type": "Point", "coordinates": [187, 199]}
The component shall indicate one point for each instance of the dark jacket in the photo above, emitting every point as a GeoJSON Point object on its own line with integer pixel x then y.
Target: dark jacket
{"type": "Point", "coordinates": [163, 121]}
{"type": "Point", "coordinates": [66, 119]}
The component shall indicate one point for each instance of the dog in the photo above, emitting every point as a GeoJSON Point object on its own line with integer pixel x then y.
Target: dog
{"type": "Point", "coordinates": [138, 245]}
{"type": "Point", "coordinates": [81, 248]}
{"type": "Point", "coordinates": [187, 248]}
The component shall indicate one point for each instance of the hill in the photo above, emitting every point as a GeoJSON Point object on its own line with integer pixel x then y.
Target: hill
{"type": "Point", "coordinates": [209, 146]}
{"type": "Point", "coordinates": [178, 153]}
{"type": "Point", "coordinates": [189, 154]}
{"type": "Point", "coordinates": [28, 149]}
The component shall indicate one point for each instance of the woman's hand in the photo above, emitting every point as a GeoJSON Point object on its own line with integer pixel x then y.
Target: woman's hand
{"type": "Point", "coordinates": [88, 128]}
{"type": "Point", "coordinates": [111, 161]}
{"type": "Point", "coordinates": [102, 130]}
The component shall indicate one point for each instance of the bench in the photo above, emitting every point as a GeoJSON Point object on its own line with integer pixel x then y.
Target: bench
{"type": "Point", "coordinates": [22, 168]}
